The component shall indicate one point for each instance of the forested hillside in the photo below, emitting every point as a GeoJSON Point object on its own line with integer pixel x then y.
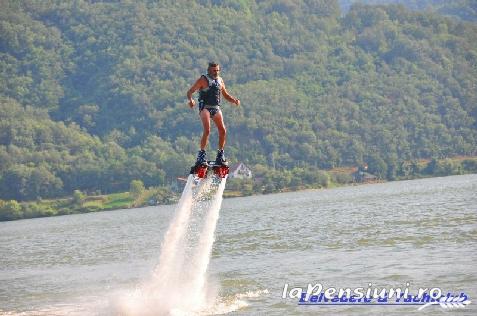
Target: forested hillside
{"type": "Point", "coordinates": [93, 92]}
{"type": "Point", "coordinates": [461, 9]}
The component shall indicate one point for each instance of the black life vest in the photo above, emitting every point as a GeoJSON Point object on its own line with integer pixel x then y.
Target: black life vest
{"type": "Point", "coordinates": [211, 94]}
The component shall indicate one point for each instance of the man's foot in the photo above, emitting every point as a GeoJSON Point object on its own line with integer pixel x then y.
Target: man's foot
{"type": "Point", "coordinates": [201, 158]}
{"type": "Point", "coordinates": [220, 159]}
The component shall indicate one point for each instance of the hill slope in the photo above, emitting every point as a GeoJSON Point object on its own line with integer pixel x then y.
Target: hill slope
{"type": "Point", "coordinates": [379, 85]}
{"type": "Point", "coordinates": [461, 9]}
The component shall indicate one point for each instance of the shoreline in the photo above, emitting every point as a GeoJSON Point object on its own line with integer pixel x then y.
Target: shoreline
{"type": "Point", "coordinates": [155, 196]}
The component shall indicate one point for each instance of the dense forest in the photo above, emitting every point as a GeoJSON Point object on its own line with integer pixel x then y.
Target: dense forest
{"type": "Point", "coordinates": [92, 93]}
{"type": "Point", "coordinates": [461, 9]}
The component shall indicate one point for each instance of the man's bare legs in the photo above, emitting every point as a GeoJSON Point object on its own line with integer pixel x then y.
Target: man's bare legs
{"type": "Point", "coordinates": [205, 118]}
{"type": "Point", "coordinates": [219, 122]}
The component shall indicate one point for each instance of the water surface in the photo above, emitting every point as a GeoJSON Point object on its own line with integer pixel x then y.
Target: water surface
{"type": "Point", "coordinates": [421, 231]}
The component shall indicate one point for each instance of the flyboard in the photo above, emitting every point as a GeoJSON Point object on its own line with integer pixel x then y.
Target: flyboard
{"type": "Point", "coordinates": [207, 178]}
{"type": "Point", "coordinates": [209, 168]}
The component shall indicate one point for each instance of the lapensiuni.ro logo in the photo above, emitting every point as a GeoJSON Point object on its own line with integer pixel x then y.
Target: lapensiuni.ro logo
{"type": "Point", "coordinates": [317, 295]}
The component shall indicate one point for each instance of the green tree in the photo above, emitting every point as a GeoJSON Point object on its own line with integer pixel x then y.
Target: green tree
{"type": "Point", "coordinates": [10, 210]}
{"type": "Point", "coordinates": [136, 188]}
{"type": "Point", "coordinates": [78, 196]}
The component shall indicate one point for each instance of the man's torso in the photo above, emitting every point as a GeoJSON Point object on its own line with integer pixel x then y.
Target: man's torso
{"type": "Point", "coordinates": [210, 95]}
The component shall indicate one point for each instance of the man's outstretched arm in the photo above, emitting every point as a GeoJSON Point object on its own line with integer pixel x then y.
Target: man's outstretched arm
{"type": "Point", "coordinates": [228, 97]}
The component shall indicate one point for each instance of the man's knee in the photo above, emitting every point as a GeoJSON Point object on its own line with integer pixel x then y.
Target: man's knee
{"type": "Point", "coordinates": [222, 130]}
{"type": "Point", "coordinates": [206, 132]}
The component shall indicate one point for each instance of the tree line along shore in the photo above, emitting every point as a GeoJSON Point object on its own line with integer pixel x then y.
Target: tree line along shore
{"type": "Point", "coordinates": [263, 183]}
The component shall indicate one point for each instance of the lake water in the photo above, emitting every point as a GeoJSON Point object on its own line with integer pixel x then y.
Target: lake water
{"type": "Point", "coordinates": [423, 232]}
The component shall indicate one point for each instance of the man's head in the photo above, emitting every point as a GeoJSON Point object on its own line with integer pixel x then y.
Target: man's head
{"type": "Point", "coordinates": [213, 70]}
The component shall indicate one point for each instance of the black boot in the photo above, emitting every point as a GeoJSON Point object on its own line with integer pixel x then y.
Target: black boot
{"type": "Point", "coordinates": [201, 157]}
{"type": "Point", "coordinates": [220, 159]}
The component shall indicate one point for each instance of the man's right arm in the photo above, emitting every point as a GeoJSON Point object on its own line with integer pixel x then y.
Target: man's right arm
{"type": "Point", "coordinates": [196, 86]}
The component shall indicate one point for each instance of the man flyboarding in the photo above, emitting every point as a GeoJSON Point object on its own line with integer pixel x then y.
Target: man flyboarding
{"type": "Point", "coordinates": [211, 87]}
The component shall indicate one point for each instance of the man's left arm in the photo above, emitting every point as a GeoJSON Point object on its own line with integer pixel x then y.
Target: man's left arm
{"type": "Point", "coordinates": [228, 97]}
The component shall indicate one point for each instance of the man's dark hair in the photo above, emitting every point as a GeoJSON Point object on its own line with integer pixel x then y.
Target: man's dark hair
{"type": "Point", "coordinates": [212, 64]}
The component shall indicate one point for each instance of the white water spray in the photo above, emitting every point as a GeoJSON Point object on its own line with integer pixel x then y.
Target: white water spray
{"type": "Point", "coordinates": [204, 250]}
{"type": "Point", "coordinates": [179, 283]}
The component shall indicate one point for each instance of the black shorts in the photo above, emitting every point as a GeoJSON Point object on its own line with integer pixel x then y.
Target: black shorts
{"type": "Point", "coordinates": [212, 111]}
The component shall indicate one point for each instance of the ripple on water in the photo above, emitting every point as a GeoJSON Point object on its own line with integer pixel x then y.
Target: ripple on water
{"type": "Point", "coordinates": [422, 231]}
